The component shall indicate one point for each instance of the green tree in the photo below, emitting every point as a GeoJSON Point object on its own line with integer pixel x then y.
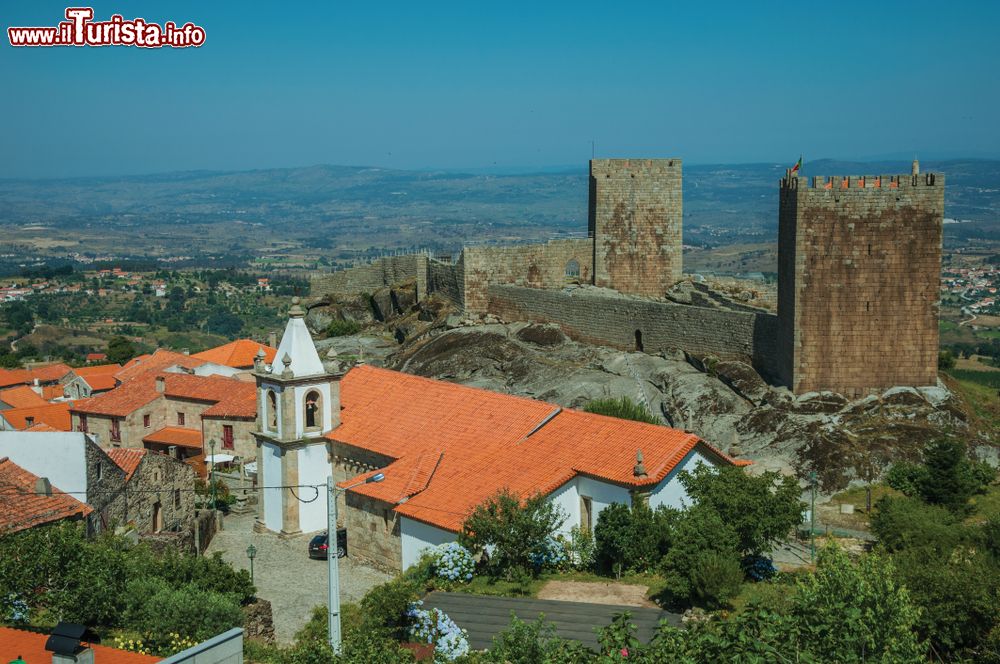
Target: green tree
{"type": "Point", "coordinates": [622, 408]}
{"type": "Point", "coordinates": [904, 523]}
{"type": "Point", "coordinates": [698, 532]}
{"type": "Point", "coordinates": [949, 481]}
{"type": "Point", "coordinates": [517, 532]}
{"type": "Point", "coordinates": [761, 509]}
{"type": "Point", "coordinates": [120, 350]}
{"type": "Point", "coordinates": [632, 538]}
{"type": "Point", "coordinates": [224, 323]}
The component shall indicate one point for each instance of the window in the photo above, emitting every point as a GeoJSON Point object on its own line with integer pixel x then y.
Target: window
{"type": "Point", "coordinates": [312, 409]}
{"type": "Point", "coordinates": [177, 498]}
{"type": "Point", "coordinates": [272, 410]}
{"type": "Point", "coordinates": [116, 431]}
{"type": "Point", "coordinates": [100, 471]}
{"type": "Point", "coordinates": [180, 419]}
{"type": "Point", "coordinates": [29, 422]}
{"type": "Point", "coordinates": [586, 513]}
{"type": "Point", "coordinates": [145, 421]}
{"type": "Point", "coordinates": [573, 270]}
{"type": "Point", "coordinates": [638, 340]}
{"type": "Point", "coordinates": [82, 425]}
{"type": "Point", "coordinates": [227, 437]}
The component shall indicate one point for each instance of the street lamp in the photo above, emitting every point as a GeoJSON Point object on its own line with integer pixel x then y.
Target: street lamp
{"type": "Point", "coordinates": [251, 554]}
{"type": "Point", "coordinates": [332, 562]}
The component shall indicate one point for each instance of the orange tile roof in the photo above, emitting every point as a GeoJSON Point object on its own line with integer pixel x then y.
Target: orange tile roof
{"type": "Point", "coordinates": [46, 374]}
{"type": "Point", "coordinates": [42, 427]}
{"type": "Point", "coordinates": [127, 458]}
{"type": "Point", "coordinates": [158, 361]}
{"type": "Point", "coordinates": [179, 436]}
{"type": "Point", "coordinates": [21, 396]}
{"type": "Point", "coordinates": [51, 392]}
{"type": "Point", "coordinates": [96, 357]}
{"type": "Point", "coordinates": [21, 508]}
{"type": "Point", "coordinates": [455, 446]}
{"type": "Point", "coordinates": [100, 382]}
{"type": "Point", "coordinates": [231, 397]}
{"type": "Point", "coordinates": [238, 354]}
{"type": "Point", "coordinates": [54, 414]}
{"type": "Point", "coordinates": [30, 647]}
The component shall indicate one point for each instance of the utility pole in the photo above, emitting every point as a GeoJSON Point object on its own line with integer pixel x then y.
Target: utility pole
{"type": "Point", "coordinates": [333, 567]}
{"type": "Point", "coordinates": [211, 476]}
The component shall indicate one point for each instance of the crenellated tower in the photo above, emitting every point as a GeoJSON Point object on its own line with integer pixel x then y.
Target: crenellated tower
{"type": "Point", "coordinates": [859, 264]}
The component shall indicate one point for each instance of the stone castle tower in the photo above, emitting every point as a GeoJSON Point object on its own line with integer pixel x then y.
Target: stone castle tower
{"type": "Point", "coordinates": [859, 262]}
{"type": "Point", "coordinates": [297, 403]}
{"type": "Point", "coordinates": [635, 222]}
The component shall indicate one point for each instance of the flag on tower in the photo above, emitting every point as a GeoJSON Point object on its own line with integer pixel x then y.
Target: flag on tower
{"type": "Point", "coordinates": [797, 165]}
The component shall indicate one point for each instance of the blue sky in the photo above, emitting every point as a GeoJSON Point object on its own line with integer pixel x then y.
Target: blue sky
{"type": "Point", "coordinates": [483, 84]}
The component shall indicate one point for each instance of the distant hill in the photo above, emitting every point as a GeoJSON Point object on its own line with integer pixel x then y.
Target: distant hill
{"type": "Point", "coordinates": [325, 204]}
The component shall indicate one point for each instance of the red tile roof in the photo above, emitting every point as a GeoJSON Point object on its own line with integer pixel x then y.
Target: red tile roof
{"type": "Point", "coordinates": [49, 373]}
{"type": "Point", "coordinates": [158, 361]}
{"type": "Point", "coordinates": [21, 396]}
{"type": "Point", "coordinates": [21, 508]}
{"type": "Point", "coordinates": [179, 436]}
{"type": "Point", "coordinates": [238, 354]}
{"type": "Point", "coordinates": [101, 369]}
{"type": "Point", "coordinates": [42, 427]}
{"type": "Point", "coordinates": [100, 382]}
{"type": "Point", "coordinates": [30, 647]}
{"type": "Point", "coordinates": [54, 414]}
{"type": "Point", "coordinates": [51, 392]}
{"type": "Point", "coordinates": [230, 397]}
{"type": "Point", "coordinates": [127, 458]}
{"type": "Point", "coordinates": [96, 357]}
{"type": "Point", "coordinates": [455, 445]}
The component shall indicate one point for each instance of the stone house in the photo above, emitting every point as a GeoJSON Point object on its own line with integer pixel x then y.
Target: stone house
{"type": "Point", "coordinates": [146, 491]}
{"type": "Point", "coordinates": [85, 382]}
{"type": "Point", "coordinates": [166, 409]}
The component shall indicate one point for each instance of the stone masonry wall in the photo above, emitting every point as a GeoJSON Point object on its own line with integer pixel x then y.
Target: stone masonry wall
{"type": "Point", "coordinates": [629, 323]}
{"type": "Point", "coordinates": [387, 271]}
{"type": "Point", "coordinates": [859, 261]}
{"type": "Point", "coordinates": [447, 279]}
{"type": "Point", "coordinates": [373, 532]}
{"type": "Point", "coordinates": [635, 218]}
{"type": "Point", "coordinates": [532, 265]}
{"type": "Point", "coordinates": [164, 481]}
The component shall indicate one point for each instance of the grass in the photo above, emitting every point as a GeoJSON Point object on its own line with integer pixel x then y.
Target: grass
{"type": "Point", "coordinates": [987, 504]}
{"type": "Point", "coordinates": [981, 399]}
{"type": "Point", "coordinates": [990, 379]}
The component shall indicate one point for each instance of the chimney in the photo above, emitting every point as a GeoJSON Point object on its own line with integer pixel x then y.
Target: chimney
{"type": "Point", "coordinates": [272, 340]}
{"type": "Point", "coordinates": [66, 644]}
{"type": "Point", "coordinates": [161, 384]}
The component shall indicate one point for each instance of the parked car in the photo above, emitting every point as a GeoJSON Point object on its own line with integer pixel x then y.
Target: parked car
{"type": "Point", "coordinates": [319, 547]}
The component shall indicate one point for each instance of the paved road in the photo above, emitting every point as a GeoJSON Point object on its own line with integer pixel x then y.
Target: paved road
{"type": "Point", "coordinates": [484, 617]}
{"type": "Point", "coordinates": [284, 574]}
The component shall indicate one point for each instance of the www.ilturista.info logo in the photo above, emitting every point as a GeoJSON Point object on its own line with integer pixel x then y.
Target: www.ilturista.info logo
{"type": "Point", "coordinates": [81, 30]}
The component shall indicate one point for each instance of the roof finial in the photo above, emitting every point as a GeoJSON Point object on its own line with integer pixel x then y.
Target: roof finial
{"type": "Point", "coordinates": [296, 311]}
{"type": "Point", "coordinates": [640, 469]}
{"type": "Point", "coordinates": [287, 361]}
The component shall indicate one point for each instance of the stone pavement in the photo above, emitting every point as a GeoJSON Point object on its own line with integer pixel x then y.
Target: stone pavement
{"type": "Point", "coordinates": [286, 576]}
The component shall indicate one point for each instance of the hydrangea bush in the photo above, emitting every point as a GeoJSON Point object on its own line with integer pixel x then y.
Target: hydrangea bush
{"type": "Point", "coordinates": [549, 553]}
{"type": "Point", "coordinates": [453, 562]}
{"type": "Point", "coordinates": [434, 626]}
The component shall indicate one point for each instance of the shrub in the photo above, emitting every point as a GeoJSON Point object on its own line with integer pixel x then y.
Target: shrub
{"type": "Point", "coordinates": [946, 360]}
{"type": "Point", "coordinates": [342, 328]}
{"type": "Point", "coordinates": [903, 523]}
{"type": "Point", "coordinates": [155, 609]}
{"type": "Point", "coordinates": [529, 643]}
{"type": "Point", "coordinates": [385, 606]}
{"type": "Point", "coordinates": [434, 626]}
{"type": "Point", "coordinates": [761, 509]}
{"type": "Point", "coordinates": [579, 549]}
{"type": "Point", "coordinates": [758, 568]}
{"type": "Point", "coordinates": [698, 531]}
{"type": "Point", "coordinates": [516, 534]}
{"type": "Point", "coordinates": [453, 562]}
{"type": "Point", "coordinates": [906, 477]}
{"type": "Point", "coordinates": [631, 538]}
{"type": "Point", "coordinates": [715, 578]}
{"type": "Point", "coordinates": [622, 408]}
{"type": "Point", "coordinates": [949, 480]}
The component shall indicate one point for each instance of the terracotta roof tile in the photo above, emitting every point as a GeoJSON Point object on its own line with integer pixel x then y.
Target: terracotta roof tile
{"type": "Point", "coordinates": [100, 382]}
{"type": "Point", "coordinates": [46, 374]}
{"type": "Point", "coordinates": [21, 396]}
{"type": "Point", "coordinates": [238, 354]}
{"type": "Point", "coordinates": [30, 647]}
{"type": "Point", "coordinates": [51, 392]}
{"type": "Point", "coordinates": [180, 436]}
{"type": "Point", "coordinates": [98, 369]}
{"type": "Point", "coordinates": [21, 508]}
{"type": "Point", "coordinates": [42, 427]}
{"type": "Point", "coordinates": [158, 361]}
{"type": "Point", "coordinates": [9, 377]}
{"type": "Point", "coordinates": [455, 445]}
{"type": "Point", "coordinates": [55, 415]}
{"type": "Point", "coordinates": [230, 397]}
{"type": "Point", "coordinates": [127, 458]}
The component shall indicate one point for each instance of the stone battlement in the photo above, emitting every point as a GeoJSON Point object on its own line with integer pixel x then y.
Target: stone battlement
{"type": "Point", "coordinates": [632, 167]}
{"type": "Point", "coordinates": [841, 182]}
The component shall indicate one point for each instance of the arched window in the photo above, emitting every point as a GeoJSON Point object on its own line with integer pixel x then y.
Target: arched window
{"type": "Point", "coordinates": [312, 409]}
{"type": "Point", "coordinates": [573, 270]}
{"type": "Point", "coordinates": [272, 410]}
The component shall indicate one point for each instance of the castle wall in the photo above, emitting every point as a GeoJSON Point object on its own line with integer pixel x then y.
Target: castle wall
{"type": "Point", "coordinates": [532, 265]}
{"type": "Point", "coordinates": [635, 219]}
{"type": "Point", "coordinates": [387, 271]}
{"type": "Point", "coordinates": [661, 326]}
{"type": "Point", "coordinates": [447, 279]}
{"type": "Point", "coordinates": [859, 261]}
